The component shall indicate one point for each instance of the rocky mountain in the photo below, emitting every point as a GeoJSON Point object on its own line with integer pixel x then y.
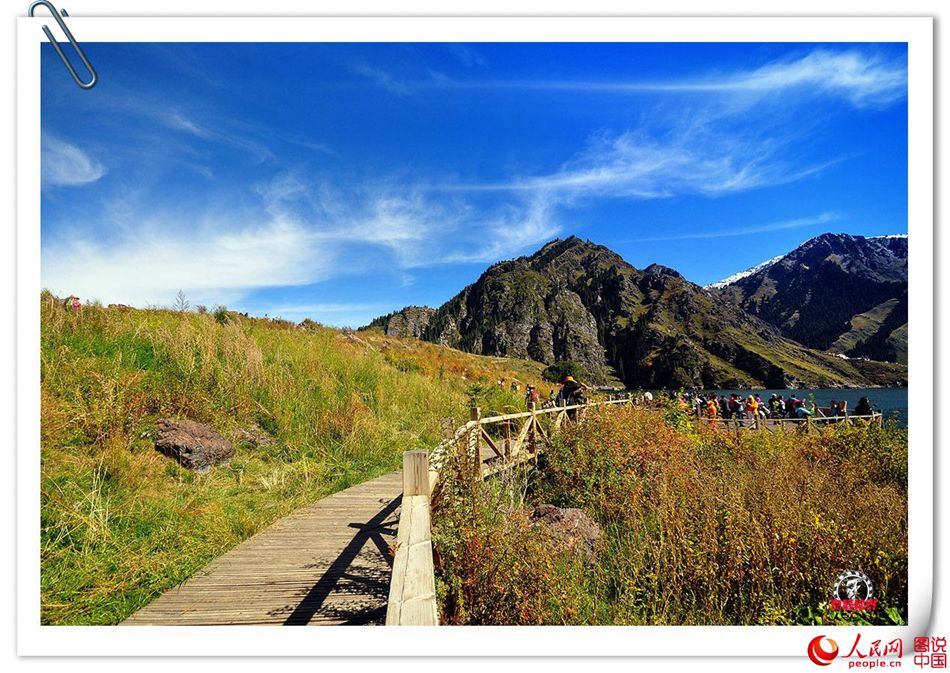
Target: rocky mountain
{"type": "Point", "coordinates": [411, 321]}
{"type": "Point", "coordinates": [837, 292]}
{"type": "Point", "coordinates": [575, 300]}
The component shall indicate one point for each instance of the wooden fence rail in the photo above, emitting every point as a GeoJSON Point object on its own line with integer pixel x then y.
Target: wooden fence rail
{"type": "Point", "coordinates": [412, 587]}
{"type": "Point", "coordinates": [758, 423]}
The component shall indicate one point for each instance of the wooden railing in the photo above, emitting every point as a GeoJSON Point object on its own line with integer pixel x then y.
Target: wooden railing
{"type": "Point", "coordinates": [412, 587]}
{"type": "Point", "coordinates": [758, 423]}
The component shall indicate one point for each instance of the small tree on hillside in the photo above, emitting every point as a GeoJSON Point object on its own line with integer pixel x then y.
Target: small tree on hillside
{"type": "Point", "coordinates": [181, 302]}
{"type": "Point", "coordinates": [557, 371]}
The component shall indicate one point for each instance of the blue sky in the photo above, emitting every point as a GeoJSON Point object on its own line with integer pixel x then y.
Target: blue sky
{"type": "Point", "coordinates": [343, 181]}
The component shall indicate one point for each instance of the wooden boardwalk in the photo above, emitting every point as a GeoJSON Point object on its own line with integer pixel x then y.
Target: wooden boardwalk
{"type": "Point", "coordinates": [327, 563]}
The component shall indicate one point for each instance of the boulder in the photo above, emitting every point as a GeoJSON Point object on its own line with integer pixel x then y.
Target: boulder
{"type": "Point", "coordinates": [194, 445]}
{"type": "Point", "coordinates": [571, 527]}
{"type": "Point", "coordinates": [256, 436]}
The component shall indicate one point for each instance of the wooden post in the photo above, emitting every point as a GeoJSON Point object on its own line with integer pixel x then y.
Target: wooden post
{"type": "Point", "coordinates": [477, 466]}
{"type": "Point", "coordinates": [808, 424]}
{"type": "Point", "coordinates": [507, 441]}
{"type": "Point", "coordinates": [415, 473]}
{"type": "Point", "coordinates": [533, 432]}
{"type": "Point", "coordinates": [757, 421]}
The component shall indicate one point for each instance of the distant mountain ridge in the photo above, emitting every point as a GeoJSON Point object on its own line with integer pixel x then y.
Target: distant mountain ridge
{"type": "Point", "coordinates": [576, 300]}
{"type": "Point", "coordinates": [835, 292]}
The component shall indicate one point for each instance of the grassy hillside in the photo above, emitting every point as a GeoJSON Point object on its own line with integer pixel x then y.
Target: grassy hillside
{"type": "Point", "coordinates": [310, 410]}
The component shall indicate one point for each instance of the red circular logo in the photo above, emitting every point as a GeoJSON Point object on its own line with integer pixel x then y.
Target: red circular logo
{"type": "Point", "coordinates": [821, 653]}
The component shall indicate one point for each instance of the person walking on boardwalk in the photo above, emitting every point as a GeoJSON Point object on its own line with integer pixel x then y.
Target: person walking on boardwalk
{"type": "Point", "coordinates": [711, 410]}
{"type": "Point", "coordinates": [571, 389]}
{"type": "Point", "coordinates": [531, 396]}
{"type": "Point", "coordinates": [864, 407]}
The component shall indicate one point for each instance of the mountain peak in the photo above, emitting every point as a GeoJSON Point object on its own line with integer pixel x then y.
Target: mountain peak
{"type": "Point", "coordinates": [660, 270]}
{"type": "Point", "coordinates": [576, 300]}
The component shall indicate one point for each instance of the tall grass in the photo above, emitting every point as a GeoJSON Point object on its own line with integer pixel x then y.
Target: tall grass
{"type": "Point", "coordinates": [121, 523]}
{"type": "Point", "coordinates": [700, 527]}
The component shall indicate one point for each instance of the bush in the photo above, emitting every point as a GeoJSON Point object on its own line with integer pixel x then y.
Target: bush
{"type": "Point", "coordinates": [221, 314]}
{"type": "Point", "coordinates": [701, 527]}
{"type": "Point", "coordinates": [494, 568]}
{"type": "Point", "coordinates": [706, 527]}
{"type": "Point", "coordinates": [557, 371]}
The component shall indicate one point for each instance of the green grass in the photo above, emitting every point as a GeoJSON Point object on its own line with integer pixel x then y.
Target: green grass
{"type": "Point", "coordinates": [121, 523]}
{"type": "Point", "coordinates": [863, 326]}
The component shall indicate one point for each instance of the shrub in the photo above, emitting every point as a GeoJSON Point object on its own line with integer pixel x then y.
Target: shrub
{"type": "Point", "coordinates": [701, 527]}
{"type": "Point", "coordinates": [495, 568]}
{"type": "Point", "coordinates": [557, 371]}
{"type": "Point", "coordinates": [708, 527]}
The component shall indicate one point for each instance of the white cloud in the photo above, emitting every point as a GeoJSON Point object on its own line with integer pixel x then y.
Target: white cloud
{"type": "Point", "coordinates": [798, 223]}
{"type": "Point", "coordinates": [637, 165]}
{"type": "Point", "coordinates": [381, 78]}
{"type": "Point", "coordinates": [517, 229]}
{"type": "Point", "coordinates": [64, 164]}
{"type": "Point", "coordinates": [212, 264]}
{"type": "Point", "coordinates": [859, 77]}
{"type": "Point", "coordinates": [412, 228]}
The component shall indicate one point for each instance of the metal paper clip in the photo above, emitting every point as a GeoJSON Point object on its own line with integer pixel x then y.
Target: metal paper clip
{"type": "Point", "coordinates": [59, 50]}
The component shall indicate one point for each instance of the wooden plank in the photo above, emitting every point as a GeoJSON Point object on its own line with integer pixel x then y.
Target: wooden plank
{"type": "Point", "coordinates": [323, 564]}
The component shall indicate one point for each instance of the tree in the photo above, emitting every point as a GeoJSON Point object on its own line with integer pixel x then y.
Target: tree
{"type": "Point", "coordinates": [181, 302]}
{"type": "Point", "coordinates": [557, 371]}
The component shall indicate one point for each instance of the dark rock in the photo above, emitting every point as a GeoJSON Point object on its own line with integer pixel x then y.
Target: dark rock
{"type": "Point", "coordinates": [573, 528]}
{"type": "Point", "coordinates": [408, 322]}
{"type": "Point", "coordinates": [194, 445]}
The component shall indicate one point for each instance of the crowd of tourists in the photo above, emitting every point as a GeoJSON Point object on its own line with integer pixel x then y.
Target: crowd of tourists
{"type": "Point", "coordinates": [739, 407]}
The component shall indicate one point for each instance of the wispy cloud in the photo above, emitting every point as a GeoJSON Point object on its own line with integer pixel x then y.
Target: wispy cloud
{"type": "Point", "coordinates": [414, 229]}
{"type": "Point", "coordinates": [518, 228]}
{"type": "Point", "coordinates": [860, 77]}
{"type": "Point", "coordinates": [216, 132]}
{"type": "Point", "coordinates": [798, 223]}
{"type": "Point", "coordinates": [210, 263]}
{"type": "Point", "coordinates": [638, 165]}
{"type": "Point", "coordinates": [382, 77]}
{"type": "Point", "coordinates": [64, 164]}
{"type": "Point", "coordinates": [466, 54]}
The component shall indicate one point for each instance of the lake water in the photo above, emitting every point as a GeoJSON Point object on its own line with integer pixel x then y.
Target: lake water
{"type": "Point", "coordinates": [892, 401]}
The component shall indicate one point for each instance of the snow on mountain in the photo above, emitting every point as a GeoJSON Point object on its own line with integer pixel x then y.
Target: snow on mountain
{"type": "Point", "coordinates": [766, 264]}
{"type": "Point", "coordinates": [742, 274]}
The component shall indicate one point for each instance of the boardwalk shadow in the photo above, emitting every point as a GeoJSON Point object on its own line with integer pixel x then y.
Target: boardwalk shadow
{"type": "Point", "coordinates": [369, 582]}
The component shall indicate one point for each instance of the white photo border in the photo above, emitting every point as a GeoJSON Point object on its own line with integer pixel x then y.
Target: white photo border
{"type": "Point", "coordinates": [35, 639]}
